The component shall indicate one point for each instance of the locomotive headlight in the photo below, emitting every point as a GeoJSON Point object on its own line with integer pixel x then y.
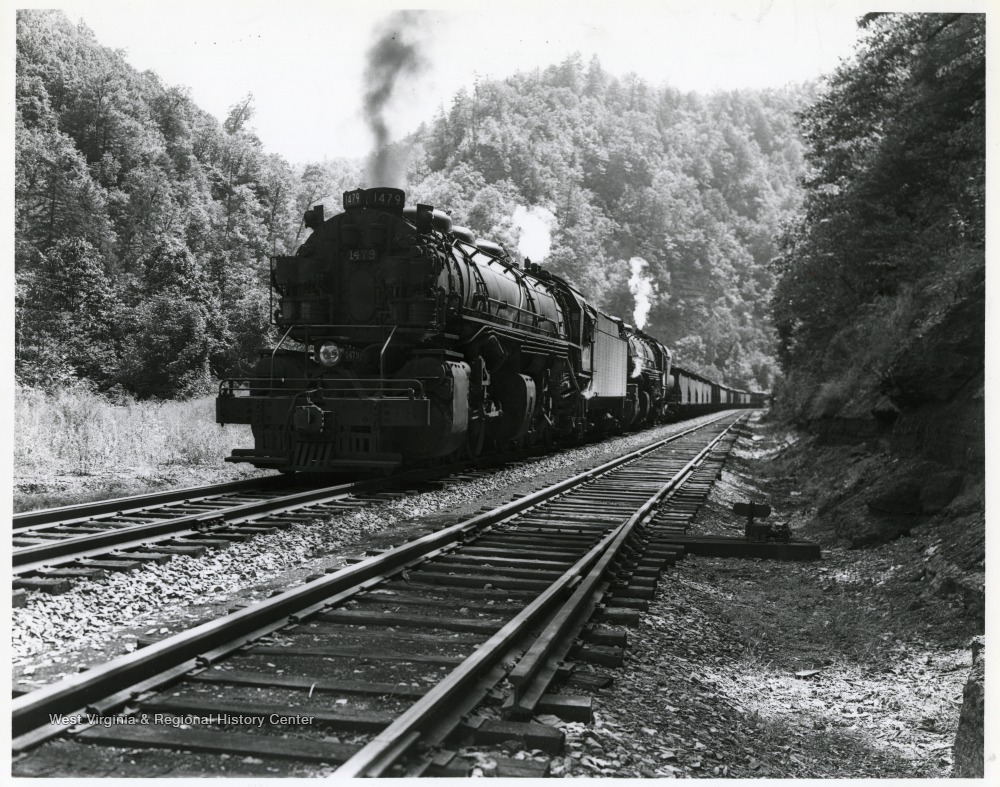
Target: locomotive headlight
{"type": "Point", "coordinates": [329, 354]}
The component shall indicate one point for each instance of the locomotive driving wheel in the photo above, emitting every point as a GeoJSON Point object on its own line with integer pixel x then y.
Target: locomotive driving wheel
{"type": "Point", "coordinates": [645, 414]}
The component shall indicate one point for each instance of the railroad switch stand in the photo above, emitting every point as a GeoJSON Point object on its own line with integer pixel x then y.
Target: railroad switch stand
{"type": "Point", "coordinates": [771, 542]}
{"type": "Point", "coordinates": [760, 532]}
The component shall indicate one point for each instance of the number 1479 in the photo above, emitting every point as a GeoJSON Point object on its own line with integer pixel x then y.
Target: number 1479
{"type": "Point", "coordinates": [361, 254]}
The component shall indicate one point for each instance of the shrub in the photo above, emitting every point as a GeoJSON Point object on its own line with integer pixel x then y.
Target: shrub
{"type": "Point", "coordinates": [75, 430]}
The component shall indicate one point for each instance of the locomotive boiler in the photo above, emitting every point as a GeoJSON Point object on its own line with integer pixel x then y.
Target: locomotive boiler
{"type": "Point", "coordinates": [405, 338]}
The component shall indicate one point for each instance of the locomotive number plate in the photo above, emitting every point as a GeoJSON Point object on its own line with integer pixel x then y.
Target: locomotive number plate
{"type": "Point", "coordinates": [361, 254]}
{"type": "Point", "coordinates": [384, 198]}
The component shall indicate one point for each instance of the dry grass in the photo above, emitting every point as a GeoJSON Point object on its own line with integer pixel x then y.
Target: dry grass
{"type": "Point", "coordinates": [73, 444]}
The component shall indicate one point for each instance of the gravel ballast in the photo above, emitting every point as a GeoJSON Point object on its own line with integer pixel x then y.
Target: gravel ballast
{"type": "Point", "coordinates": [846, 667]}
{"type": "Point", "coordinates": [53, 636]}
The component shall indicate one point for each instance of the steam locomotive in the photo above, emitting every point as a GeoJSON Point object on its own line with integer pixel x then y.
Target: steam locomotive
{"type": "Point", "coordinates": [405, 338]}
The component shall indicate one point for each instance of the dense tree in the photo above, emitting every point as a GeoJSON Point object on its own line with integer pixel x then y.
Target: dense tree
{"type": "Point", "coordinates": [55, 195]}
{"type": "Point", "coordinates": [173, 215]}
{"type": "Point", "coordinates": [142, 196]}
{"type": "Point", "coordinates": [696, 187]}
{"type": "Point", "coordinates": [66, 310]}
{"type": "Point", "coordinates": [168, 354]}
{"type": "Point", "coordinates": [897, 178]}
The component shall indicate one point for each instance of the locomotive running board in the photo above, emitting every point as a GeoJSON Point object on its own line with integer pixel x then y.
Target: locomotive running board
{"type": "Point", "coordinates": [261, 460]}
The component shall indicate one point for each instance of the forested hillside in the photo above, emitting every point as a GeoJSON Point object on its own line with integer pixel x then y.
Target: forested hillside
{"type": "Point", "coordinates": [889, 249]}
{"type": "Point", "coordinates": [144, 225]}
{"type": "Point", "coordinates": [695, 187]}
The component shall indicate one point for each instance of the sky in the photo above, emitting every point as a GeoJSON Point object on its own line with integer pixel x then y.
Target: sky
{"type": "Point", "coordinates": [303, 62]}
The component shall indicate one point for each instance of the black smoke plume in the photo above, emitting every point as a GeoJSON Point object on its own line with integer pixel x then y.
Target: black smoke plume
{"type": "Point", "coordinates": [394, 57]}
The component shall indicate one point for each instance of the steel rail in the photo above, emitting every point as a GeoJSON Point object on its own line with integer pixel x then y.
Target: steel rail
{"type": "Point", "coordinates": [32, 558]}
{"type": "Point", "coordinates": [382, 751]}
{"type": "Point", "coordinates": [376, 757]}
{"type": "Point", "coordinates": [73, 694]}
{"type": "Point", "coordinates": [118, 549]}
{"type": "Point", "coordinates": [523, 676]}
{"type": "Point", "coordinates": [71, 546]}
{"type": "Point", "coordinates": [85, 511]}
{"type": "Point", "coordinates": [89, 545]}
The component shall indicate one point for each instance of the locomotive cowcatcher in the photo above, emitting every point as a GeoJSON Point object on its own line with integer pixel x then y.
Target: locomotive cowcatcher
{"type": "Point", "coordinates": [404, 338]}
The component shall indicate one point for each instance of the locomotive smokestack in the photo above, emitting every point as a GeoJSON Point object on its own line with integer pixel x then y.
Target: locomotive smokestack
{"type": "Point", "coordinates": [393, 57]}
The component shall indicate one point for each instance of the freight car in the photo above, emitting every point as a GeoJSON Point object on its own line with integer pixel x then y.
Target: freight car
{"type": "Point", "coordinates": [405, 338]}
{"type": "Point", "coordinates": [692, 394]}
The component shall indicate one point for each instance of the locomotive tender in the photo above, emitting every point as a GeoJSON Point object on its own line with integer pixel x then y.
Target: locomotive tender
{"type": "Point", "coordinates": [406, 339]}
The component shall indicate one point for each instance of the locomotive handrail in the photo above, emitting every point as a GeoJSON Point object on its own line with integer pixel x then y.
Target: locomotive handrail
{"type": "Point", "coordinates": [381, 355]}
{"type": "Point", "coordinates": [522, 276]}
{"type": "Point", "coordinates": [538, 317]}
{"type": "Point", "coordinates": [507, 330]}
{"type": "Point", "coordinates": [482, 294]}
{"type": "Point", "coordinates": [511, 321]}
{"type": "Point", "coordinates": [326, 327]}
{"type": "Point", "coordinates": [277, 346]}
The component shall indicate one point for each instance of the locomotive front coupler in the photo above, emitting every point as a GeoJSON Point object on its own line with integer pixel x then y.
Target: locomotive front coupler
{"type": "Point", "coordinates": [308, 418]}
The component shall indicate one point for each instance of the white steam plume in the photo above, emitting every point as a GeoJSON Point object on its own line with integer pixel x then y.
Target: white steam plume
{"type": "Point", "coordinates": [395, 56]}
{"type": "Point", "coordinates": [642, 289]}
{"type": "Point", "coordinates": [536, 225]}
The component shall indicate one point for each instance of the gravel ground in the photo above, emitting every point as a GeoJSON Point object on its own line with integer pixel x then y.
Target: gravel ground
{"type": "Point", "coordinates": [851, 667]}
{"type": "Point", "coordinates": [54, 636]}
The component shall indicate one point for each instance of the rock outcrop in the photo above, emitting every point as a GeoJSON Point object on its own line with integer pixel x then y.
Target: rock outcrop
{"type": "Point", "coordinates": [968, 751]}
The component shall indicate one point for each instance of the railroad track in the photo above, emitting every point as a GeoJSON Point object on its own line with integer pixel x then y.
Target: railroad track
{"type": "Point", "coordinates": [375, 667]}
{"type": "Point", "coordinates": [140, 505]}
{"type": "Point", "coordinates": [56, 547]}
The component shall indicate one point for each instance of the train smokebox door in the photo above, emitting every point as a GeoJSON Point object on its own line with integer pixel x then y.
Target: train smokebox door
{"type": "Point", "coordinates": [751, 510]}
